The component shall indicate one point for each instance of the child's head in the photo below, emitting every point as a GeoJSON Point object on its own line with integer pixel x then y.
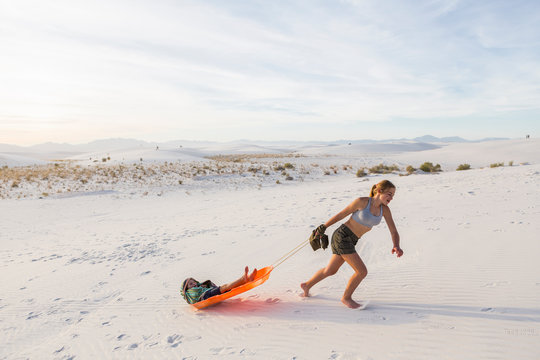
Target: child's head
{"type": "Point", "coordinates": [189, 283]}
{"type": "Point", "coordinates": [186, 285]}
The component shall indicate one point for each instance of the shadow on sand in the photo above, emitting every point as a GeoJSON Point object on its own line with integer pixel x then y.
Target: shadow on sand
{"type": "Point", "coordinates": [320, 308]}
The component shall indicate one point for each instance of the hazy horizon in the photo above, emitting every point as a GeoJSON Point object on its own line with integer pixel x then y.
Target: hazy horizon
{"type": "Point", "coordinates": [455, 138]}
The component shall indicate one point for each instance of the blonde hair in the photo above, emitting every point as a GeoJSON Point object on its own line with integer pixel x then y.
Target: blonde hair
{"type": "Point", "coordinates": [380, 187]}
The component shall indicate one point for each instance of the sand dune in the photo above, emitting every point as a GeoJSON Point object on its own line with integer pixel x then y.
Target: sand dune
{"type": "Point", "coordinates": [479, 154]}
{"type": "Point", "coordinates": [97, 274]}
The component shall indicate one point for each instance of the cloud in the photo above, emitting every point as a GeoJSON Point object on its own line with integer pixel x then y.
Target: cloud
{"type": "Point", "coordinates": [189, 66]}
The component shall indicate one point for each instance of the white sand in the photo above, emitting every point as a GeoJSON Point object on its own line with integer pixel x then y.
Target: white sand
{"type": "Point", "coordinates": [96, 275]}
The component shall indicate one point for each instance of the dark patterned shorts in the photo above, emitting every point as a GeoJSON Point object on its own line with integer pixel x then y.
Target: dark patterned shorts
{"type": "Point", "coordinates": [212, 292]}
{"type": "Point", "coordinates": [343, 241]}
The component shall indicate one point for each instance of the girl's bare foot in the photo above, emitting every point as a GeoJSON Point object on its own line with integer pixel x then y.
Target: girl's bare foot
{"type": "Point", "coordinates": [305, 289]}
{"type": "Point", "coordinates": [350, 303]}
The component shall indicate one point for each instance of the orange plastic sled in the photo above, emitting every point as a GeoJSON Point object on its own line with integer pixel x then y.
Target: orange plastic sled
{"type": "Point", "coordinates": [260, 277]}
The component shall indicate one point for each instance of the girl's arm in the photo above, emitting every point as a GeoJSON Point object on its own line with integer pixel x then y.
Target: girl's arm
{"type": "Point", "coordinates": [393, 231]}
{"type": "Point", "coordinates": [359, 203]}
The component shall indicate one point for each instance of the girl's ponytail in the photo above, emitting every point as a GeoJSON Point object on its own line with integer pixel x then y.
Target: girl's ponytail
{"type": "Point", "coordinates": [381, 186]}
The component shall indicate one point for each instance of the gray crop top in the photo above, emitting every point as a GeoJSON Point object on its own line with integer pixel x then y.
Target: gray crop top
{"type": "Point", "coordinates": [365, 217]}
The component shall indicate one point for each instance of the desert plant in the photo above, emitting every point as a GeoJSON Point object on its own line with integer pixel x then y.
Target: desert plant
{"type": "Point", "coordinates": [429, 167]}
{"type": "Point", "coordinates": [289, 166]}
{"type": "Point", "coordinates": [494, 165]}
{"type": "Point", "coordinates": [463, 167]}
{"type": "Point", "coordinates": [383, 169]}
{"type": "Point", "coordinates": [361, 172]}
{"type": "Point", "coordinates": [511, 163]}
{"type": "Point", "coordinates": [410, 169]}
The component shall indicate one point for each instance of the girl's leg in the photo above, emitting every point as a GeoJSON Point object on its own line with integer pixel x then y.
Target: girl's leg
{"type": "Point", "coordinates": [333, 266]}
{"type": "Point", "coordinates": [360, 272]}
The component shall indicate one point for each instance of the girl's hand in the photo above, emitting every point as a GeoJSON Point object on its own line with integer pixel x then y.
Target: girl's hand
{"type": "Point", "coordinates": [397, 250]}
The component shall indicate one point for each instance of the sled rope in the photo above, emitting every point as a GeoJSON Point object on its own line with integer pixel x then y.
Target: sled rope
{"type": "Point", "coordinates": [296, 249]}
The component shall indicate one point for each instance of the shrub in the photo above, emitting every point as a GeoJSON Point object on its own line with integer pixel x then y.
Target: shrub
{"type": "Point", "coordinates": [383, 169]}
{"type": "Point", "coordinates": [429, 167]}
{"type": "Point", "coordinates": [463, 167]}
{"type": "Point", "coordinates": [410, 169]}
{"type": "Point", "coordinates": [496, 165]}
{"type": "Point", "coordinates": [511, 163]}
{"type": "Point", "coordinates": [289, 166]}
{"type": "Point", "coordinates": [361, 172]}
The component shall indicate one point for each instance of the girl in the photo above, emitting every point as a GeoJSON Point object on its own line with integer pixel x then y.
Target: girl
{"type": "Point", "coordinates": [194, 291]}
{"type": "Point", "coordinates": [366, 213]}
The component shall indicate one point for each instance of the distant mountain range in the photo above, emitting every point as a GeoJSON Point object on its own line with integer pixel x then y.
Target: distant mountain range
{"type": "Point", "coordinates": [120, 143]}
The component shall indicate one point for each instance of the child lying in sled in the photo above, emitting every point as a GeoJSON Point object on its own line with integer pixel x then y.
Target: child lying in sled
{"type": "Point", "coordinates": [194, 291]}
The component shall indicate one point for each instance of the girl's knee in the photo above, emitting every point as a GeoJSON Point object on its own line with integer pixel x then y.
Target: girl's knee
{"type": "Point", "coordinates": [362, 273]}
{"type": "Point", "coordinates": [330, 271]}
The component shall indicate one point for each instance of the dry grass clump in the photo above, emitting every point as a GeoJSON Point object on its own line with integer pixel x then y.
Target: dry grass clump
{"type": "Point", "coordinates": [429, 167]}
{"type": "Point", "coordinates": [462, 167]}
{"type": "Point", "coordinates": [361, 172]}
{"type": "Point", "coordinates": [494, 165]}
{"type": "Point", "coordinates": [383, 169]}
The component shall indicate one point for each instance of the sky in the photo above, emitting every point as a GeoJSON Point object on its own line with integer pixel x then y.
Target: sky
{"type": "Point", "coordinates": [158, 70]}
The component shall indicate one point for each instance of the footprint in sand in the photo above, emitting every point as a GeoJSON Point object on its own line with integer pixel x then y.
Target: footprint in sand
{"type": "Point", "coordinates": [174, 340]}
{"type": "Point", "coordinates": [33, 315]}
